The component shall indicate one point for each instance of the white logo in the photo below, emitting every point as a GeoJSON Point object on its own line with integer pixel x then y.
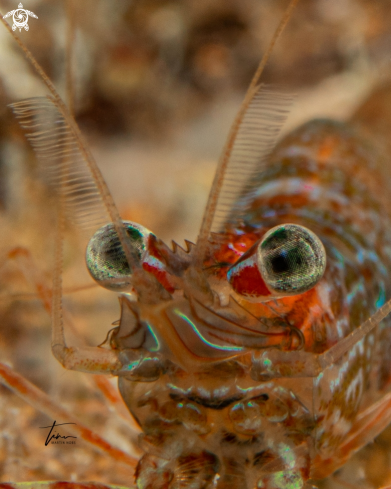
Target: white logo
{"type": "Point", "coordinates": [20, 17]}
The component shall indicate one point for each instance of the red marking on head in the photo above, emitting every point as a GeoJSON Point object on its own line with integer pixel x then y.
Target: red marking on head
{"type": "Point", "coordinates": [230, 251]}
{"type": "Point", "coordinates": [245, 277]}
{"type": "Point", "coordinates": [153, 249]}
{"type": "Point", "coordinates": [248, 281]}
{"type": "Point", "coordinates": [160, 274]}
{"type": "Point", "coordinates": [155, 263]}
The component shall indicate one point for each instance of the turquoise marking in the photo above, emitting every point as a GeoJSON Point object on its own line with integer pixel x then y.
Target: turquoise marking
{"type": "Point", "coordinates": [131, 366]}
{"type": "Point", "coordinates": [382, 297]}
{"type": "Point", "coordinates": [212, 345]}
{"type": "Point", "coordinates": [157, 347]}
{"type": "Point", "coordinates": [359, 287]}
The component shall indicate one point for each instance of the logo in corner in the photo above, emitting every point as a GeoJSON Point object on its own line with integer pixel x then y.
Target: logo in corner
{"type": "Point", "coordinates": [20, 17]}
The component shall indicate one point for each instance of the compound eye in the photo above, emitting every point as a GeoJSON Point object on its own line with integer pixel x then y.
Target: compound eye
{"type": "Point", "coordinates": [291, 259]}
{"type": "Point", "coordinates": [105, 257]}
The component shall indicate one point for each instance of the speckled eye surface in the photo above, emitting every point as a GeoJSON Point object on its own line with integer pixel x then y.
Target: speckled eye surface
{"type": "Point", "coordinates": [291, 259]}
{"type": "Point", "coordinates": [105, 257]}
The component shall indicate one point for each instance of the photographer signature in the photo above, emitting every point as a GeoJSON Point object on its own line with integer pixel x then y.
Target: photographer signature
{"type": "Point", "coordinates": [55, 436]}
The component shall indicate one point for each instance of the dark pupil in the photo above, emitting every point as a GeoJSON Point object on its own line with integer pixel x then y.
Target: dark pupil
{"type": "Point", "coordinates": [286, 261]}
{"type": "Point", "coordinates": [280, 263]}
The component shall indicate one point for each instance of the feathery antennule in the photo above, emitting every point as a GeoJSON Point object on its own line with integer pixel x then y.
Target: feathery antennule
{"type": "Point", "coordinates": [68, 137]}
{"type": "Point", "coordinates": [208, 218]}
{"type": "Point", "coordinates": [256, 138]}
{"type": "Point", "coordinates": [74, 132]}
{"type": "Point", "coordinates": [71, 137]}
{"type": "Point", "coordinates": [64, 164]}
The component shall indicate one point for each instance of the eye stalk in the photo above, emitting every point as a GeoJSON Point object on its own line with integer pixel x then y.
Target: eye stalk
{"type": "Point", "coordinates": [105, 257]}
{"type": "Point", "coordinates": [289, 260]}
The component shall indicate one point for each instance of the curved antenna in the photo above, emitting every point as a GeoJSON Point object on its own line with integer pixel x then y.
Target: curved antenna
{"type": "Point", "coordinates": [64, 141]}
{"type": "Point", "coordinates": [70, 38]}
{"type": "Point", "coordinates": [72, 128]}
{"type": "Point", "coordinates": [64, 163]}
{"type": "Point", "coordinates": [257, 135]}
{"type": "Point", "coordinates": [207, 221]}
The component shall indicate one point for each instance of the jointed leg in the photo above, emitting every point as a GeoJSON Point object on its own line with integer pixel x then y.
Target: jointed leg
{"type": "Point", "coordinates": [87, 359]}
{"type": "Point", "coordinates": [41, 401]}
{"type": "Point", "coordinates": [24, 261]}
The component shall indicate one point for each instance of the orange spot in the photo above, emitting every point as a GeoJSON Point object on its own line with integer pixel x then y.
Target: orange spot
{"type": "Point", "coordinates": [291, 200]}
{"type": "Point", "coordinates": [18, 251]}
{"type": "Point", "coordinates": [161, 276]}
{"type": "Point", "coordinates": [326, 148]}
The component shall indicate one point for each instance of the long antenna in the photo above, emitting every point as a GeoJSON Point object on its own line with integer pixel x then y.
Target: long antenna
{"type": "Point", "coordinates": [203, 236]}
{"type": "Point", "coordinates": [81, 146]}
{"type": "Point", "coordinates": [106, 196]}
{"type": "Point", "coordinates": [70, 39]}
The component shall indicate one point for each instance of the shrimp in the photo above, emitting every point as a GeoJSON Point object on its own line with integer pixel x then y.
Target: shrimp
{"type": "Point", "coordinates": [257, 356]}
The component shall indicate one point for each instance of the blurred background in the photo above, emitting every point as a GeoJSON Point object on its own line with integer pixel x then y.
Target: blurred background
{"type": "Point", "coordinates": [155, 87]}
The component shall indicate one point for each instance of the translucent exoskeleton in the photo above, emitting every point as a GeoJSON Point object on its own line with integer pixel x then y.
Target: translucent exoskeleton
{"type": "Point", "coordinates": [258, 356]}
